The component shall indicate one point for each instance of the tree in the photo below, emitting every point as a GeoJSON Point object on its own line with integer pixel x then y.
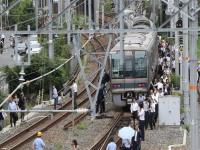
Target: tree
{"type": "Point", "coordinates": [23, 15]}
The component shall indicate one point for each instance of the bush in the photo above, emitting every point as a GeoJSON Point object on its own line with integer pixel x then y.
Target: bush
{"type": "Point", "coordinates": [175, 80]}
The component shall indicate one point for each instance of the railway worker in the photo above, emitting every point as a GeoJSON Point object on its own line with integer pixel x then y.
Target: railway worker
{"type": "Point", "coordinates": [55, 97]}
{"type": "Point", "coordinates": [141, 115]}
{"type": "Point", "coordinates": [152, 114]}
{"type": "Point", "coordinates": [21, 105]}
{"type": "Point", "coordinates": [13, 115]}
{"type": "Point", "coordinates": [100, 104]}
{"type": "Point", "coordinates": [105, 80]}
{"type": "Point", "coordinates": [111, 145]}
{"type": "Point", "coordinates": [74, 89]}
{"type": "Point", "coordinates": [146, 105]}
{"type": "Point", "coordinates": [134, 110]}
{"type": "Point", "coordinates": [74, 145]}
{"type": "Point", "coordinates": [38, 143]}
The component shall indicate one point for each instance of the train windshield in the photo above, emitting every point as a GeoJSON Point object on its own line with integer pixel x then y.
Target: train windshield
{"type": "Point", "coordinates": [135, 65]}
{"type": "Point", "coordinates": [117, 65]}
{"type": "Point", "coordinates": [140, 64]}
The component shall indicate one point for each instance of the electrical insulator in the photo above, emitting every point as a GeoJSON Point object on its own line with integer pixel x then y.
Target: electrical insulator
{"type": "Point", "coordinates": [179, 23]}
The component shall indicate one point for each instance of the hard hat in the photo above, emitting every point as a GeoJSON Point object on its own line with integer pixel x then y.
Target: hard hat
{"type": "Point", "coordinates": [39, 133]}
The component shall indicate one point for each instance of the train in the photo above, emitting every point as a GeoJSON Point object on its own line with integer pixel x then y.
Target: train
{"type": "Point", "coordinates": [132, 71]}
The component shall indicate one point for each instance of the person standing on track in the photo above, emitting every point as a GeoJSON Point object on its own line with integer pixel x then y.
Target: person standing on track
{"type": "Point", "coordinates": [21, 104]}
{"type": "Point", "coordinates": [13, 115]}
{"type": "Point", "coordinates": [55, 97]}
{"type": "Point", "coordinates": [74, 89]}
{"type": "Point", "coordinates": [38, 143]}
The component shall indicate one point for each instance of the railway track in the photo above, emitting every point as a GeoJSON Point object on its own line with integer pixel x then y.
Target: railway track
{"type": "Point", "coordinates": [43, 124]}
{"type": "Point", "coordinates": [120, 120]}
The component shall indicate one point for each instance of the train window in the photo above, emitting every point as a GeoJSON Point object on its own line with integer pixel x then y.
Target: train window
{"type": "Point", "coordinates": [140, 64]}
{"type": "Point", "coordinates": [117, 66]}
{"type": "Point", "coordinates": [128, 64]}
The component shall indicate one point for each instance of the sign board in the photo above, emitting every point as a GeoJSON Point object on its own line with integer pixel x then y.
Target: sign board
{"type": "Point", "coordinates": [169, 110]}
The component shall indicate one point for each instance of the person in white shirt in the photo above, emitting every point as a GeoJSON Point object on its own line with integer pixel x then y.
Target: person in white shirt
{"type": "Point", "coordinates": [126, 144]}
{"type": "Point", "coordinates": [141, 115]}
{"type": "Point", "coordinates": [152, 114]}
{"type": "Point", "coordinates": [146, 110]}
{"type": "Point", "coordinates": [55, 97]}
{"type": "Point", "coordinates": [13, 115]}
{"type": "Point", "coordinates": [74, 89]}
{"type": "Point", "coordinates": [134, 110]}
{"type": "Point", "coordinates": [111, 145]}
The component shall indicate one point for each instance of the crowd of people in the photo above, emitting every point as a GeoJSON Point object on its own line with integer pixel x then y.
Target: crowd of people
{"type": "Point", "coordinates": [144, 107]}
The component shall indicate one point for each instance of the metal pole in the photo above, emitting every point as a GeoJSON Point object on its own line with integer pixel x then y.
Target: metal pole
{"type": "Point", "coordinates": [176, 49]}
{"type": "Point", "coordinates": [50, 45]}
{"type": "Point", "coordinates": [80, 110]}
{"type": "Point", "coordinates": [121, 34]}
{"type": "Point", "coordinates": [36, 15]}
{"type": "Point", "coordinates": [90, 14]}
{"type": "Point", "coordinates": [1, 7]}
{"type": "Point", "coordinates": [51, 50]}
{"type": "Point", "coordinates": [68, 15]}
{"type": "Point", "coordinates": [102, 15]}
{"type": "Point", "coordinates": [193, 79]}
{"type": "Point", "coordinates": [185, 77]}
{"type": "Point", "coordinates": [97, 3]}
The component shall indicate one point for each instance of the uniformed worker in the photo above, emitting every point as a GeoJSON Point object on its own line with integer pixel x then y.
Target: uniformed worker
{"type": "Point", "coordinates": [38, 143]}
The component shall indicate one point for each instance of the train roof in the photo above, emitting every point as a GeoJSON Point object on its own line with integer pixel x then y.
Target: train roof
{"type": "Point", "coordinates": [138, 41]}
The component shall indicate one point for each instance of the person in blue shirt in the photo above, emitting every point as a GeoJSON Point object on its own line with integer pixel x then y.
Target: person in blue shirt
{"type": "Point", "coordinates": [111, 145]}
{"type": "Point", "coordinates": [38, 143]}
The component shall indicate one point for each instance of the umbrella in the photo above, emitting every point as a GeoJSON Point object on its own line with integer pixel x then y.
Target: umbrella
{"type": "Point", "coordinates": [126, 133]}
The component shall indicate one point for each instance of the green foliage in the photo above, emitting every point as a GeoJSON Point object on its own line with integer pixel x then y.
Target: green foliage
{"type": "Point", "coordinates": [175, 80]}
{"type": "Point", "coordinates": [22, 12]}
{"type": "Point", "coordinates": [79, 21]}
{"type": "Point", "coordinates": [62, 49]}
{"type": "Point", "coordinates": [187, 127]}
{"type": "Point", "coordinates": [81, 126]}
{"type": "Point", "coordinates": [107, 6]}
{"type": "Point", "coordinates": [41, 64]}
{"type": "Point", "coordinates": [12, 76]}
{"type": "Point", "coordinates": [2, 96]}
{"type": "Point", "coordinates": [58, 146]}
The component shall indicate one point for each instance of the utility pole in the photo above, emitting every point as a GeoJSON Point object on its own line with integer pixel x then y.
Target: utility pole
{"type": "Point", "coordinates": [185, 73]}
{"type": "Point", "coordinates": [121, 34]}
{"type": "Point", "coordinates": [51, 50]}
{"type": "Point", "coordinates": [96, 5]}
{"type": "Point", "coordinates": [36, 15]}
{"type": "Point", "coordinates": [68, 18]}
{"type": "Point", "coordinates": [193, 78]}
{"type": "Point", "coordinates": [176, 49]}
{"type": "Point", "coordinates": [90, 14]}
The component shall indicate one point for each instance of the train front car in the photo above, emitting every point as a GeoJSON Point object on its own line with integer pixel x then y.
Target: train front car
{"type": "Point", "coordinates": [132, 71]}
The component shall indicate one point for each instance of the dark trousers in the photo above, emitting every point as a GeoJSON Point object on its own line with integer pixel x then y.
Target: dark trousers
{"type": "Point", "coordinates": [55, 102]}
{"type": "Point", "coordinates": [146, 119]}
{"type": "Point", "coordinates": [136, 145]}
{"type": "Point", "coordinates": [22, 114]}
{"type": "Point", "coordinates": [75, 96]}
{"type": "Point", "coordinates": [102, 106]}
{"type": "Point", "coordinates": [152, 120]}
{"type": "Point", "coordinates": [156, 113]}
{"type": "Point", "coordinates": [13, 118]}
{"type": "Point", "coordinates": [141, 127]}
